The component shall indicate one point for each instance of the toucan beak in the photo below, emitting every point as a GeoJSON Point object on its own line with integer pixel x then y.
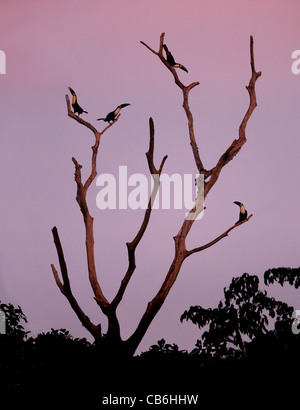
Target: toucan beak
{"type": "Point", "coordinates": [71, 91]}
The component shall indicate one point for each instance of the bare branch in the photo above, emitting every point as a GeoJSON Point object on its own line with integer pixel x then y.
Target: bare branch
{"type": "Point", "coordinates": [57, 280]}
{"type": "Point", "coordinates": [163, 60]}
{"type": "Point", "coordinates": [77, 174]}
{"type": "Point", "coordinates": [223, 235]}
{"type": "Point", "coordinates": [62, 262]}
{"type": "Point", "coordinates": [193, 143]}
{"type": "Point", "coordinates": [150, 152]}
{"type": "Point", "coordinates": [131, 246]}
{"type": "Point", "coordinates": [81, 199]}
{"type": "Point", "coordinates": [236, 145]}
{"type": "Point", "coordinates": [95, 147]}
{"type": "Point", "coordinates": [185, 90]}
{"type": "Point", "coordinates": [77, 118]}
{"type": "Point", "coordinates": [65, 287]}
{"type": "Point", "coordinates": [161, 43]}
{"type": "Point", "coordinates": [149, 48]}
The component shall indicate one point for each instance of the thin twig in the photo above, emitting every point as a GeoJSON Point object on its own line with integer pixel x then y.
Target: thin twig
{"type": "Point", "coordinates": [211, 243]}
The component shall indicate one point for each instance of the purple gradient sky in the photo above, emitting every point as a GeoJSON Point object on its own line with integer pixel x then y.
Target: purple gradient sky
{"type": "Point", "coordinates": [94, 47]}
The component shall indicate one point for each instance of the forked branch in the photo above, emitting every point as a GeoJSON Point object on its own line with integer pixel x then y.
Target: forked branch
{"type": "Point", "coordinates": [86, 123]}
{"type": "Point", "coordinates": [185, 91]}
{"type": "Point", "coordinates": [95, 147]}
{"type": "Point", "coordinates": [65, 287]}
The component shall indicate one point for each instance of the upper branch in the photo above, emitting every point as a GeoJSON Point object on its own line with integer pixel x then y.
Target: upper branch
{"type": "Point", "coordinates": [185, 90]}
{"type": "Point", "coordinates": [236, 145]}
{"type": "Point", "coordinates": [159, 53]}
{"type": "Point", "coordinates": [95, 147]}
{"type": "Point", "coordinates": [77, 118]}
{"type": "Point", "coordinates": [155, 174]}
{"type": "Point", "coordinates": [150, 152]}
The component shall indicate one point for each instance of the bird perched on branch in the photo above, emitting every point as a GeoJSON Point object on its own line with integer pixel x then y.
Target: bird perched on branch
{"type": "Point", "coordinates": [243, 212]}
{"type": "Point", "coordinates": [171, 61]}
{"type": "Point", "coordinates": [75, 105]}
{"type": "Point", "coordinates": [112, 115]}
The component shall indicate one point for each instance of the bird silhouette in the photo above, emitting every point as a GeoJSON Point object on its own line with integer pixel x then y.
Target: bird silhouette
{"type": "Point", "coordinates": [75, 105]}
{"type": "Point", "coordinates": [243, 212]}
{"type": "Point", "coordinates": [171, 61]}
{"type": "Point", "coordinates": [112, 115]}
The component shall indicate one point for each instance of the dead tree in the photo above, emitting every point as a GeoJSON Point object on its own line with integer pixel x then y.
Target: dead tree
{"type": "Point", "coordinates": [113, 342]}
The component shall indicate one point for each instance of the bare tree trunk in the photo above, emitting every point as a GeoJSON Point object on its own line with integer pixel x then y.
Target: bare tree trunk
{"type": "Point", "coordinates": [112, 341]}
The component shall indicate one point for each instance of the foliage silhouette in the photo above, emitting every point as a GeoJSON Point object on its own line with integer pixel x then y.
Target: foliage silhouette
{"type": "Point", "coordinates": [163, 347]}
{"type": "Point", "coordinates": [237, 359]}
{"type": "Point", "coordinates": [242, 314]}
{"type": "Point", "coordinates": [13, 317]}
{"type": "Point", "coordinates": [12, 348]}
{"type": "Point", "coordinates": [282, 275]}
{"type": "Point", "coordinates": [258, 368]}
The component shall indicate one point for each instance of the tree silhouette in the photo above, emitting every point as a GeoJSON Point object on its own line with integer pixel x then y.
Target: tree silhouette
{"type": "Point", "coordinates": [12, 349]}
{"type": "Point", "coordinates": [112, 341]}
{"type": "Point", "coordinates": [13, 317]}
{"type": "Point", "coordinates": [52, 366]}
{"type": "Point", "coordinates": [242, 316]}
{"type": "Point", "coordinates": [56, 368]}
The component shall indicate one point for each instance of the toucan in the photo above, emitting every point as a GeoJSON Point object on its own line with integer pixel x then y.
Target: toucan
{"type": "Point", "coordinates": [112, 115]}
{"type": "Point", "coordinates": [171, 61]}
{"type": "Point", "coordinates": [75, 105]}
{"type": "Point", "coordinates": [243, 212]}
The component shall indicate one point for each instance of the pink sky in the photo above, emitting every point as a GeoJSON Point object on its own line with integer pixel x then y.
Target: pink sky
{"type": "Point", "coordinates": [94, 47]}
